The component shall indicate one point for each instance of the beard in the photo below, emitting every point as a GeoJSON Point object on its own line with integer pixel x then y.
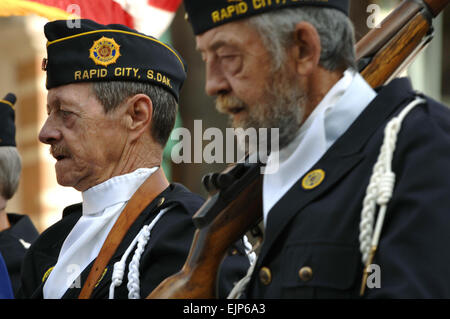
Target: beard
{"type": "Point", "coordinates": [282, 107]}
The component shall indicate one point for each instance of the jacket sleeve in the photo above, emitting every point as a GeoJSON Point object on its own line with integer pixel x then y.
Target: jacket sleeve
{"type": "Point", "coordinates": [413, 254]}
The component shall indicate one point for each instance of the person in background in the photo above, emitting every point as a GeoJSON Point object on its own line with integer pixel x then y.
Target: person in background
{"type": "Point", "coordinates": [17, 232]}
{"type": "Point", "coordinates": [350, 156]}
{"type": "Point", "coordinates": [6, 291]}
{"type": "Point", "coordinates": [111, 104]}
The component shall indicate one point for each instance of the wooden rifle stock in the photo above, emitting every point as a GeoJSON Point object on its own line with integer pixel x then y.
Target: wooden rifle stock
{"type": "Point", "coordinates": [222, 220]}
{"type": "Point", "coordinates": [386, 51]}
{"type": "Point", "coordinates": [236, 203]}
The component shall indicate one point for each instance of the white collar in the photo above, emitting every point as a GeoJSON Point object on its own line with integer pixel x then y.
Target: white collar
{"type": "Point", "coordinates": [321, 110]}
{"type": "Point", "coordinates": [329, 120]}
{"type": "Point", "coordinates": [102, 205]}
{"type": "Point", "coordinates": [113, 191]}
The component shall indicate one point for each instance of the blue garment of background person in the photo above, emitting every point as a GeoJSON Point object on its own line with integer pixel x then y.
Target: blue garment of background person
{"type": "Point", "coordinates": [5, 282]}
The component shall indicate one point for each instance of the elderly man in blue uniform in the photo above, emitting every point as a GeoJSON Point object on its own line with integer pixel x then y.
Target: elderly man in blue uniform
{"type": "Point", "coordinates": [111, 104]}
{"type": "Point", "coordinates": [17, 232]}
{"type": "Point", "coordinates": [291, 65]}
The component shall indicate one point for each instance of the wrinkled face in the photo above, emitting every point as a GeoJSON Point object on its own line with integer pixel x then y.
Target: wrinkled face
{"type": "Point", "coordinates": [240, 73]}
{"type": "Point", "coordinates": [86, 142]}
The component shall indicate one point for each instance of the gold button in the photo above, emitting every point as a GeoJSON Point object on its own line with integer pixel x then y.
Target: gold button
{"type": "Point", "coordinates": [265, 276]}
{"type": "Point", "coordinates": [305, 273]}
{"type": "Point", "coordinates": [161, 201]}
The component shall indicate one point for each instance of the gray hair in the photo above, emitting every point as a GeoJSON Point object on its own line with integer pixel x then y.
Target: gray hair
{"type": "Point", "coordinates": [334, 27]}
{"type": "Point", "coordinates": [10, 169]}
{"type": "Point", "coordinates": [112, 94]}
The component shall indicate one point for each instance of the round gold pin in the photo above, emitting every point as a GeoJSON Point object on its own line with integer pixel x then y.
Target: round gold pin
{"type": "Point", "coordinates": [313, 179]}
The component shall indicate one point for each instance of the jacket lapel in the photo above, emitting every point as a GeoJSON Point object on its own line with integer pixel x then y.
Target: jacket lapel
{"type": "Point", "coordinates": [344, 155]}
{"type": "Point", "coordinates": [145, 217]}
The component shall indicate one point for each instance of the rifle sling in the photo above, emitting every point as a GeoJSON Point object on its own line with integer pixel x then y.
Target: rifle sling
{"type": "Point", "coordinates": [146, 193]}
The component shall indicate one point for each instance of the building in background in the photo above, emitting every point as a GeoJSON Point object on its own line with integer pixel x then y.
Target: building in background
{"type": "Point", "coordinates": [23, 47]}
{"type": "Point", "coordinates": [21, 51]}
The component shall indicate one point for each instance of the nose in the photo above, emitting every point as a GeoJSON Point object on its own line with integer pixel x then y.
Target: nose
{"type": "Point", "coordinates": [49, 133]}
{"type": "Point", "coordinates": [216, 82]}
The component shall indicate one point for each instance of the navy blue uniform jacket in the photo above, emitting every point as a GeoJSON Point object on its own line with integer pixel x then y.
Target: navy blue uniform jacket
{"type": "Point", "coordinates": [164, 254]}
{"type": "Point", "coordinates": [13, 245]}
{"type": "Point", "coordinates": [6, 291]}
{"type": "Point", "coordinates": [319, 228]}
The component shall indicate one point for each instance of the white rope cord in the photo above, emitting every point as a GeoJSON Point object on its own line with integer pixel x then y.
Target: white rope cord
{"type": "Point", "coordinates": [381, 187]}
{"type": "Point", "coordinates": [133, 269]}
{"type": "Point", "coordinates": [133, 273]}
{"type": "Point", "coordinates": [240, 286]}
{"type": "Point", "coordinates": [249, 250]}
{"type": "Point", "coordinates": [119, 268]}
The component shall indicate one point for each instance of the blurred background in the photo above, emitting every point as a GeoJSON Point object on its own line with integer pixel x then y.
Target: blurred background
{"type": "Point", "coordinates": [22, 48]}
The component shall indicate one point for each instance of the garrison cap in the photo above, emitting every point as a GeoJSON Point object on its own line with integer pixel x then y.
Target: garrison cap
{"type": "Point", "coordinates": [205, 15]}
{"type": "Point", "coordinates": [7, 126]}
{"type": "Point", "coordinates": [94, 52]}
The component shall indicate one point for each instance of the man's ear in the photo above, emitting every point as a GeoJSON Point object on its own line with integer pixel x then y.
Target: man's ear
{"type": "Point", "coordinates": [139, 111]}
{"type": "Point", "coordinates": [307, 48]}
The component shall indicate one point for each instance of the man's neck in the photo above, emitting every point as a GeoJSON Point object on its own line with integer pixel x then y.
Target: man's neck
{"type": "Point", "coordinates": [319, 85]}
{"type": "Point", "coordinates": [138, 156]}
{"type": "Point", "coordinates": [4, 222]}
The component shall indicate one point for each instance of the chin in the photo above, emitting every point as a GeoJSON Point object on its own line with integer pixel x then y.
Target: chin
{"type": "Point", "coordinates": [64, 181]}
{"type": "Point", "coordinates": [65, 178]}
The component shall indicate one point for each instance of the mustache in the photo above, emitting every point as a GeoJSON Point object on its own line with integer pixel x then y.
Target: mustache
{"type": "Point", "coordinates": [58, 151]}
{"type": "Point", "coordinates": [225, 103]}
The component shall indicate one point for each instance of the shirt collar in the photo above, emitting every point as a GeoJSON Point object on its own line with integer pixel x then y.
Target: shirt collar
{"type": "Point", "coordinates": [329, 120]}
{"type": "Point", "coordinates": [113, 191]}
{"type": "Point", "coordinates": [317, 117]}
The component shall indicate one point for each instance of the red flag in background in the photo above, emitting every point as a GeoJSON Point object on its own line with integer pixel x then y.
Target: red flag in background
{"type": "Point", "coordinates": [152, 17]}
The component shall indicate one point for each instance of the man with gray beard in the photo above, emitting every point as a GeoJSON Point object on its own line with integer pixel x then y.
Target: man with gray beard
{"type": "Point", "coordinates": [291, 65]}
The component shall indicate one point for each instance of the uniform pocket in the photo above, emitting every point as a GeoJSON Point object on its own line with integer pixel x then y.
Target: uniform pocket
{"type": "Point", "coordinates": [320, 270]}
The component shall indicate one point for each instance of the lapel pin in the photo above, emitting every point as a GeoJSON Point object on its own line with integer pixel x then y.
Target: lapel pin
{"type": "Point", "coordinates": [313, 179]}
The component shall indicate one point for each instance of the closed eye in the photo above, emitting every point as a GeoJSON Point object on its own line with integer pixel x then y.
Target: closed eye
{"type": "Point", "coordinates": [65, 114]}
{"type": "Point", "coordinates": [231, 63]}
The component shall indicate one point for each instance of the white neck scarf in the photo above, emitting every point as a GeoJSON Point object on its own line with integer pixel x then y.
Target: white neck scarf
{"type": "Point", "coordinates": [102, 205]}
{"type": "Point", "coordinates": [329, 120]}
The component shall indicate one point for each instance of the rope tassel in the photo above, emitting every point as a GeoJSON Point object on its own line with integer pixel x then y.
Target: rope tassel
{"type": "Point", "coordinates": [141, 240]}
{"type": "Point", "coordinates": [379, 192]}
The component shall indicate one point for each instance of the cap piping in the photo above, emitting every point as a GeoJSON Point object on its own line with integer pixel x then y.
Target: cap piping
{"type": "Point", "coordinates": [7, 102]}
{"type": "Point", "coordinates": [118, 31]}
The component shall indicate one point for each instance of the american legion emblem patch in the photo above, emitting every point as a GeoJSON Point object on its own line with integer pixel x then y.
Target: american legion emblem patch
{"type": "Point", "coordinates": [104, 51]}
{"type": "Point", "coordinates": [313, 179]}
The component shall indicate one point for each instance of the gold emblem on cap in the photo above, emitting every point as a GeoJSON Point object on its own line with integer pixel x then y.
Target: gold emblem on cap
{"type": "Point", "coordinates": [313, 179]}
{"type": "Point", "coordinates": [104, 51]}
